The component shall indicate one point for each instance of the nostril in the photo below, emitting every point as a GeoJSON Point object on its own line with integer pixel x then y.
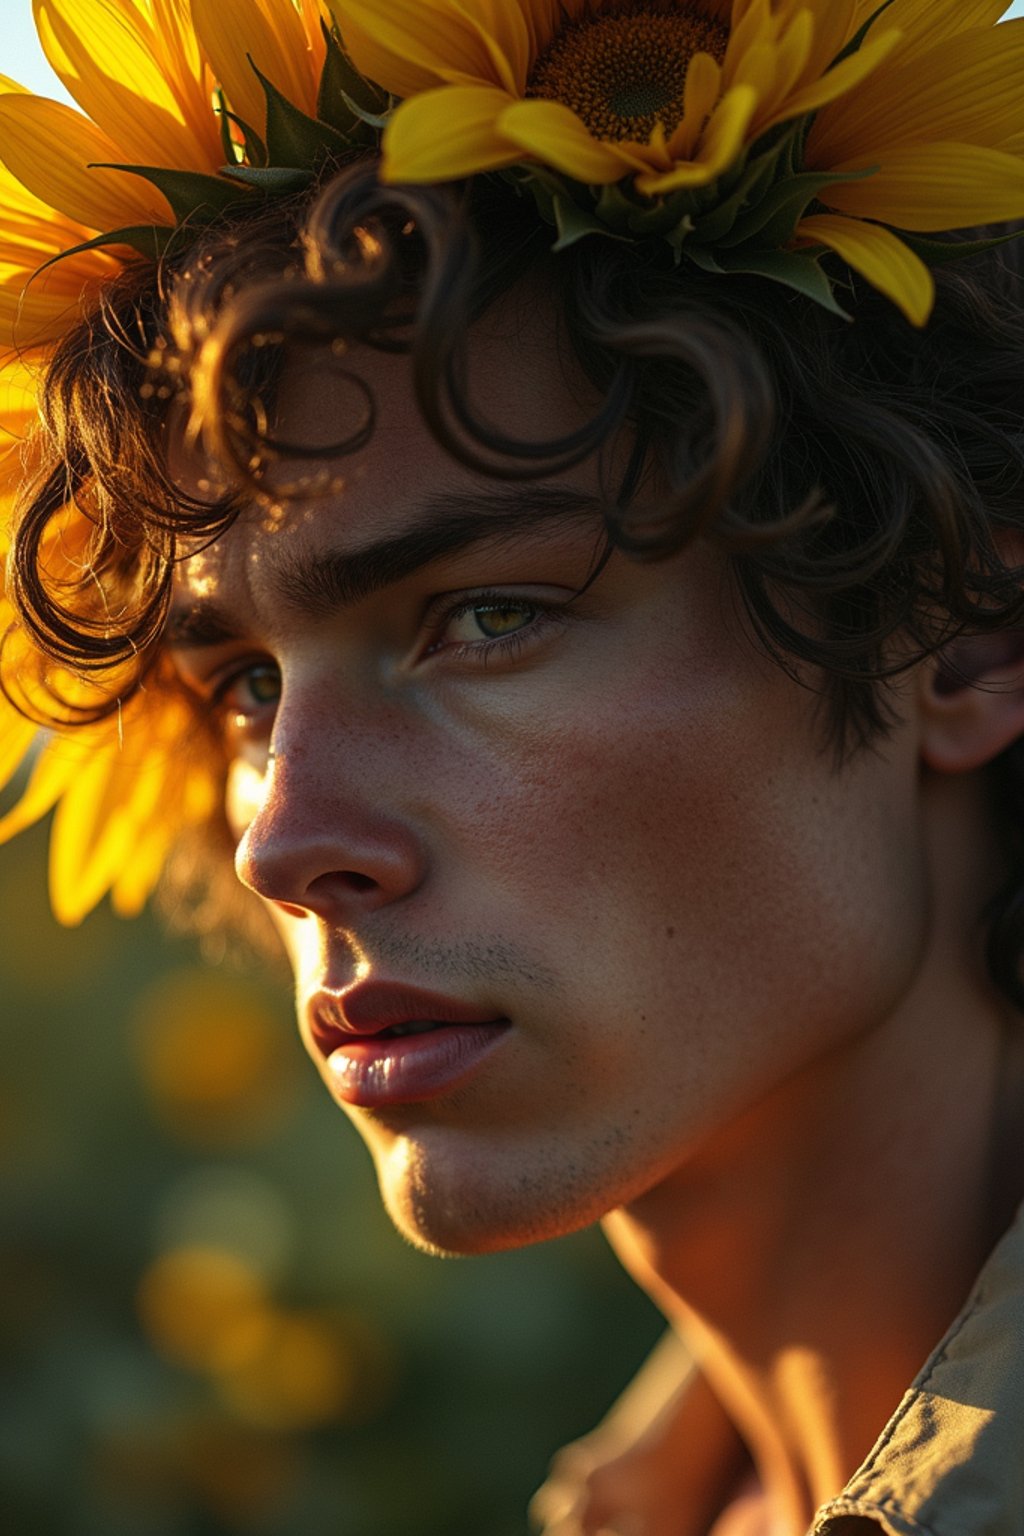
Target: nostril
{"type": "Point", "coordinates": [356, 881]}
{"type": "Point", "coordinates": [352, 881]}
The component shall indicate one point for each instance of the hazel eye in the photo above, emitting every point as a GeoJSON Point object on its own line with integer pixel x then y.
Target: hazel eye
{"type": "Point", "coordinates": [489, 621]}
{"type": "Point", "coordinates": [246, 697]}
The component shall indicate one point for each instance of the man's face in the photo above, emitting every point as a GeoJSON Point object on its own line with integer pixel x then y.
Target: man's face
{"type": "Point", "coordinates": [568, 879]}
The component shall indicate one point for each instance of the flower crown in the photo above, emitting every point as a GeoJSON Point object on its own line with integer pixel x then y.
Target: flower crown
{"type": "Point", "coordinates": [795, 140]}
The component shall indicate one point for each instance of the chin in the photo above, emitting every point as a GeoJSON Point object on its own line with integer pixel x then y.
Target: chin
{"type": "Point", "coordinates": [462, 1212]}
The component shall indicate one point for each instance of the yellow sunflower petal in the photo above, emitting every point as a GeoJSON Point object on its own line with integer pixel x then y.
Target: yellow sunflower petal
{"type": "Point", "coordinates": [792, 56]}
{"type": "Point", "coordinates": [701, 92]}
{"type": "Point", "coordinates": [111, 59]}
{"type": "Point", "coordinates": [189, 76]}
{"type": "Point", "coordinates": [19, 385]}
{"type": "Point", "coordinates": [878, 255]}
{"type": "Point", "coordinates": [49, 147]}
{"type": "Point", "coordinates": [913, 102]}
{"type": "Point", "coordinates": [445, 133]}
{"type": "Point", "coordinates": [931, 187]}
{"type": "Point", "coordinates": [721, 144]}
{"type": "Point", "coordinates": [927, 22]}
{"type": "Point", "coordinates": [511, 42]}
{"type": "Point", "coordinates": [90, 833]}
{"type": "Point", "coordinates": [755, 27]}
{"type": "Point", "coordinates": [834, 26]}
{"type": "Point", "coordinates": [272, 34]}
{"type": "Point", "coordinates": [135, 882]}
{"type": "Point", "coordinates": [844, 77]}
{"type": "Point", "coordinates": [415, 47]}
{"type": "Point", "coordinates": [36, 310]}
{"type": "Point", "coordinates": [557, 137]}
{"type": "Point", "coordinates": [58, 764]}
{"type": "Point", "coordinates": [541, 19]}
{"type": "Point", "coordinates": [16, 738]}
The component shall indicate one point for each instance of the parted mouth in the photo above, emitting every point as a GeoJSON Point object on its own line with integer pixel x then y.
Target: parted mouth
{"type": "Point", "coordinates": [385, 1010]}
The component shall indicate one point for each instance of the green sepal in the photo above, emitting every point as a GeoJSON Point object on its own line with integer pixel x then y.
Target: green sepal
{"type": "Point", "coordinates": [189, 193]}
{"type": "Point", "coordinates": [542, 185]}
{"type": "Point", "coordinates": [344, 96]}
{"type": "Point", "coordinates": [614, 208]}
{"type": "Point", "coordinates": [667, 214]}
{"type": "Point", "coordinates": [678, 235]}
{"type": "Point", "coordinates": [294, 139]}
{"type": "Point", "coordinates": [773, 222]}
{"type": "Point", "coordinates": [150, 240]}
{"type": "Point", "coordinates": [272, 180]}
{"type": "Point", "coordinates": [575, 223]}
{"type": "Point", "coordinates": [227, 144]}
{"type": "Point", "coordinates": [939, 253]}
{"type": "Point", "coordinates": [712, 225]}
{"type": "Point", "coordinates": [378, 121]}
{"type": "Point", "coordinates": [254, 148]}
{"type": "Point", "coordinates": [798, 270]}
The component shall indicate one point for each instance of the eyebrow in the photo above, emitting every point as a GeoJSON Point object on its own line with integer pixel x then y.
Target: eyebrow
{"type": "Point", "coordinates": [319, 584]}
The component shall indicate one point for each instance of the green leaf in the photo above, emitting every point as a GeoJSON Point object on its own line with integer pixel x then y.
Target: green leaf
{"type": "Point", "coordinates": [190, 193]}
{"type": "Point", "coordinates": [575, 223]}
{"type": "Point", "coordinates": [273, 180]}
{"type": "Point", "coordinates": [293, 138]}
{"type": "Point", "coordinates": [799, 270]}
{"type": "Point", "coordinates": [939, 253]}
{"type": "Point", "coordinates": [343, 89]}
{"type": "Point", "coordinates": [774, 220]}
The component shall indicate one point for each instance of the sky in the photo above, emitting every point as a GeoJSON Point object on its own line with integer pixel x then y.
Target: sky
{"type": "Point", "coordinates": [22, 59]}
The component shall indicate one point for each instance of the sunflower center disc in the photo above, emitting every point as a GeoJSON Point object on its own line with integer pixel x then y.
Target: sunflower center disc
{"type": "Point", "coordinates": [625, 70]}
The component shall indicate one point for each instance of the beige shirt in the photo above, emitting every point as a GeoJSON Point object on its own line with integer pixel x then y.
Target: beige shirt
{"type": "Point", "coordinates": [950, 1462]}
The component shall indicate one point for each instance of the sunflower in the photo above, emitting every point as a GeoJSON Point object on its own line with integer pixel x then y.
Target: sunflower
{"type": "Point", "coordinates": [902, 117]}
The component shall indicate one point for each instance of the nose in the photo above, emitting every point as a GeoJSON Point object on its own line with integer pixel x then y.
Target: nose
{"type": "Point", "coordinates": [319, 844]}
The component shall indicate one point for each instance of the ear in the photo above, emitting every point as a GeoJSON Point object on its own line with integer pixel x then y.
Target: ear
{"type": "Point", "coordinates": [972, 701]}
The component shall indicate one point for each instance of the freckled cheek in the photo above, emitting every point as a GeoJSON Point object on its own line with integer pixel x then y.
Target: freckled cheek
{"type": "Point", "coordinates": [593, 808]}
{"type": "Point", "coordinates": [695, 851]}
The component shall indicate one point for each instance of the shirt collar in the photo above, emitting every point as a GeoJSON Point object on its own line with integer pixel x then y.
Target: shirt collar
{"type": "Point", "coordinates": [950, 1462]}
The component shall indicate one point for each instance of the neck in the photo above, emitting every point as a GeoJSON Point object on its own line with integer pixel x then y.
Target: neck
{"type": "Point", "coordinates": [814, 1251]}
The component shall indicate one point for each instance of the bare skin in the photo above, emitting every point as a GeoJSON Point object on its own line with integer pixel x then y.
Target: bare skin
{"type": "Point", "coordinates": [748, 1023]}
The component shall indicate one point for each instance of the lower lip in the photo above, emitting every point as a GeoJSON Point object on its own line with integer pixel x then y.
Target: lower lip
{"type": "Point", "coordinates": [407, 1069]}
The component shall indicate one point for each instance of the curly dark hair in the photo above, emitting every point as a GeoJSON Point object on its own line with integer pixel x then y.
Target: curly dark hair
{"type": "Point", "coordinates": [859, 476]}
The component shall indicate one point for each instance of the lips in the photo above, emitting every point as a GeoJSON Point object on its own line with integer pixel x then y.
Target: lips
{"type": "Point", "coordinates": [368, 1009]}
{"type": "Point", "coordinates": [386, 1043]}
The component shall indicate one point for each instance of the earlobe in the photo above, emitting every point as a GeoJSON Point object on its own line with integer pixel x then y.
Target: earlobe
{"type": "Point", "coordinates": [972, 701]}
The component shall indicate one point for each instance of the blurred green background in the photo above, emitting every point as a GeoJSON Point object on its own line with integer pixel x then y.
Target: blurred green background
{"type": "Point", "coordinates": [208, 1325]}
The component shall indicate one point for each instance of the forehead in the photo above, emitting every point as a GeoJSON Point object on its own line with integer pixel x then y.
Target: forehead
{"type": "Point", "coordinates": [399, 483]}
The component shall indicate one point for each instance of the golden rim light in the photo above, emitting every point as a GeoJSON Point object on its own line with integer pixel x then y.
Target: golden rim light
{"type": "Point", "coordinates": [905, 120]}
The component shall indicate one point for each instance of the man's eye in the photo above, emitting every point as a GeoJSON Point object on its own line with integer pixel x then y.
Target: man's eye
{"type": "Point", "coordinates": [485, 620]}
{"type": "Point", "coordinates": [249, 696]}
